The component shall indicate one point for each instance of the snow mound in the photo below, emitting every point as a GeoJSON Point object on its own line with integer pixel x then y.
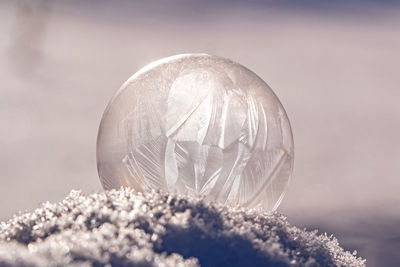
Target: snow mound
{"type": "Point", "coordinates": [124, 228]}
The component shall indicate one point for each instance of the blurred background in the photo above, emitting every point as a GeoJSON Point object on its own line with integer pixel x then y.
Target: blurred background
{"type": "Point", "coordinates": [335, 65]}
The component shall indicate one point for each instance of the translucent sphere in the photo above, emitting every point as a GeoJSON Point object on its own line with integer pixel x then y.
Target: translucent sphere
{"type": "Point", "coordinates": [198, 125]}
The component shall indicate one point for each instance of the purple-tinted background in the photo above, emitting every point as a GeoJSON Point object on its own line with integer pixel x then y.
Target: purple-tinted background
{"type": "Point", "coordinates": [335, 66]}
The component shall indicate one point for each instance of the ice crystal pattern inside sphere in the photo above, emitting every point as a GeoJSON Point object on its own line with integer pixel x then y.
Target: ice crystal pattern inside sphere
{"type": "Point", "coordinates": [197, 125]}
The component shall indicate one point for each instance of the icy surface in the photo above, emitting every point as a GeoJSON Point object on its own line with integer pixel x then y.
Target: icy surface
{"type": "Point", "coordinates": [197, 125]}
{"type": "Point", "coordinates": [124, 228]}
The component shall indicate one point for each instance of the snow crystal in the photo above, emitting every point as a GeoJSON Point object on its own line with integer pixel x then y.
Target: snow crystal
{"type": "Point", "coordinates": [125, 228]}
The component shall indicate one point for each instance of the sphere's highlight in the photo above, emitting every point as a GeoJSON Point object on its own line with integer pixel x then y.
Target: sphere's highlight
{"type": "Point", "coordinates": [198, 125]}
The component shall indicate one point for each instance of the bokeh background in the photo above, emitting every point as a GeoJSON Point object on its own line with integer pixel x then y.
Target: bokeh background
{"type": "Point", "coordinates": [335, 65]}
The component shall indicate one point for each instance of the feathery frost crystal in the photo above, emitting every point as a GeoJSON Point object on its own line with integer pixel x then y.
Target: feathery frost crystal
{"type": "Point", "coordinates": [197, 125]}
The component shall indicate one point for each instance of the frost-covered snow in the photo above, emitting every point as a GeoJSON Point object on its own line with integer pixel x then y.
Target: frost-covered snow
{"type": "Point", "coordinates": [125, 228]}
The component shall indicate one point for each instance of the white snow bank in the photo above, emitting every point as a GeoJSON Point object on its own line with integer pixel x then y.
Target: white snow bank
{"type": "Point", "coordinates": [125, 228]}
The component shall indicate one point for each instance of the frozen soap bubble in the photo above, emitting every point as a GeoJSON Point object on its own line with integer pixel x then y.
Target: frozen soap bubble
{"type": "Point", "coordinates": [197, 125]}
